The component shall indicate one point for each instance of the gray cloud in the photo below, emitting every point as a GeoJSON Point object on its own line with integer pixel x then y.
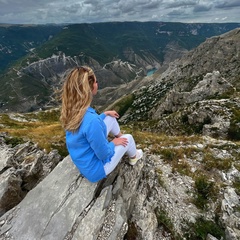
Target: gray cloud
{"type": "Point", "coordinates": [152, 5]}
{"type": "Point", "coordinates": [183, 3]}
{"type": "Point", "coordinates": [176, 13]}
{"type": "Point", "coordinates": [228, 4]}
{"type": "Point", "coordinates": [71, 9]}
{"type": "Point", "coordinates": [202, 8]}
{"type": "Point", "coordinates": [87, 11]}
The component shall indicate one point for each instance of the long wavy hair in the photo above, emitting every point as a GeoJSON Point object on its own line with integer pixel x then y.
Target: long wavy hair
{"type": "Point", "coordinates": [76, 97]}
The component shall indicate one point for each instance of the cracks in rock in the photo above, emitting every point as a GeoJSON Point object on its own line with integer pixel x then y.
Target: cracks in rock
{"type": "Point", "coordinates": [4, 169]}
{"type": "Point", "coordinates": [109, 222]}
{"type": "Point", "coordinates": [74, 185]}
{"type": "Point", "coordinates": [78, 220]}
{"type": "Point", "coordinates": [6, 224]}
{"type": "Point", "coordinates": [109, 181]}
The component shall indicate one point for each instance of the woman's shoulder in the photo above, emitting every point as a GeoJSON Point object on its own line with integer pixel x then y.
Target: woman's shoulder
{"type": "Point", "coordinates": [91, 117]}
{"type": "Point", "coordinates": [90, 114]}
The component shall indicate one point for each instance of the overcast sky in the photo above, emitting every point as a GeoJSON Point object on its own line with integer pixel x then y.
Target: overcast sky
{"type": "Point", "coordinates": [89, 11]}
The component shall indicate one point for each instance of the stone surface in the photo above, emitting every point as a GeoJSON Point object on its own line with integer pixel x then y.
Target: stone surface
{"type": "Point", "coordinates": [22, 167]}
{"type": "Point", "coordinates": [66, 206]}
{"type": "Point", "coordinates": [10, 190]}
{"type": "Point", "coordinates": [130, 202]}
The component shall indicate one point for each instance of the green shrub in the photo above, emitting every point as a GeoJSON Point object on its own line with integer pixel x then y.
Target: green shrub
{"type": "Point", "coordinates": [159, 176]}
{"type": "Point", "coordinates": [234, 129]}
{"type": "Point", "coordinates": [205, 190]}
{"type": "Point", "coordinates": [172, 154]}
{"type": "Point", "coordinates": [122, 105]}
{"type": "Point", "coordinates": [14, 141]}
{"type": "Point", "coordinates": [168, 154]}
{"type": "Point", "coordinates": [165, 221]}
{"type": "Point", "coordinates": [200, 229]}
{"type": "Point", "coordinates": [236, 185]}
{"type": "Point", "coordinates": [198, 127]}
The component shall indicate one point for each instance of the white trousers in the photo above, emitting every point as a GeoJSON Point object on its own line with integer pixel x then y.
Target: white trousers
{"type": "Point", "coordinates": [130, 149]}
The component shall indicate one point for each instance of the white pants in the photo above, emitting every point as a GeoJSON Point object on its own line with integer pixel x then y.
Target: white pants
{"type": "Point", "coordinates": [130, 149]}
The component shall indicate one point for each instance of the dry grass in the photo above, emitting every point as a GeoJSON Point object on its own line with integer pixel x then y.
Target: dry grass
{"type": "Point", "coordinates": [211, 162]}
{"type": "Point", "coordinates": [156, 141]}
{"type": "Point", "coordinates": [45, 133]}
{"type": "Point", "coordinates": [44, 129]}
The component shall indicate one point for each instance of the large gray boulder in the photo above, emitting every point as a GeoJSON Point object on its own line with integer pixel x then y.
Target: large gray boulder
{"type": "Point", "coordinates": [67, 206]}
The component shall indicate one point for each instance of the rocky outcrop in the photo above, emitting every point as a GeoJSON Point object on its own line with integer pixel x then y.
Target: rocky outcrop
{"type": "Point", "coordinates": [151, 200]}
{"type": "Point", "coordinates": [205, 109]}
{"type": "Point", "coordinates": [219, 53]}
{"type": "Point", "coordinates": [66, 206]}
{"type": "Point", "coordinates": [212, 86]}
{"type": "Point", "coordinates": [52, 69]}
{"type": "Point", "coordinates": [198, 93]}
{"type": "Point", "coordinates": [22, 167]}
{"type": "Point", "coordinates": [147, 60]}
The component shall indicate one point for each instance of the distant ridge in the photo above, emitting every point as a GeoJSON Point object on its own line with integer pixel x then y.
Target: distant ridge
{"type": "Point", "coordinates": [33, 62]}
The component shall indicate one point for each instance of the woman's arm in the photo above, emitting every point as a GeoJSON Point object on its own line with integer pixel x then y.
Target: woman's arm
{"type": "Point", "coordinates": [95, 135]}
{"type": "Point", "coordinates": [112, 113]}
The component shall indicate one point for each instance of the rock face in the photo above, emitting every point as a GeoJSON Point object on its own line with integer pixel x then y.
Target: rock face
{"type": "Point", "coordinates": [52, 69]}
{"type": "Point", "coordinates": [66, 206]}
{"type": "Point", "coordinates": [212, 86]}
{"type": "Point", "coordinates": [22, 167]}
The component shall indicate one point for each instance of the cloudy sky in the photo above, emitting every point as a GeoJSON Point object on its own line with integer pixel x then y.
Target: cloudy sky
{"type": "Point", "coordinates": [89, 11]}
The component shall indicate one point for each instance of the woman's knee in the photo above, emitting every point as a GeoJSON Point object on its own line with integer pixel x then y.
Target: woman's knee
{"type": "Point", "coordinates": [128, 136]}
{"type": "Point", "coordinates": [112, 125]}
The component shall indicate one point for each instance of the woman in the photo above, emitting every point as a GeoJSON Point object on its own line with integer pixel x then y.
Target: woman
{"type": "Point", "coordinates": [86, 131]}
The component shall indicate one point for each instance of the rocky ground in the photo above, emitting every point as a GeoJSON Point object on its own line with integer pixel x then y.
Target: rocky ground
{"type": "Point", "coordinates": [162, 197]}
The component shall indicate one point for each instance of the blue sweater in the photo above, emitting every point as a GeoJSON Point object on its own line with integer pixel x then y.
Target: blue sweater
{"type": "Point", "coordinates": [89, 147]}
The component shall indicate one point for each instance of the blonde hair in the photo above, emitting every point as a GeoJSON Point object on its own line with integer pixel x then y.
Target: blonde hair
{"type": "Point", "coordinates": [76, 97]}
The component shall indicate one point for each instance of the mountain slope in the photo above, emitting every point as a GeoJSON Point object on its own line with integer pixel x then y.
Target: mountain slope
{"type": "Point", "coordinates": [197, 93]}
{"type": "Point", "coordinates": [105, 41]}
{"type": "Point", "coordinates": [118, 52]}
{"type": "Point", "coordinates": [18, 40]}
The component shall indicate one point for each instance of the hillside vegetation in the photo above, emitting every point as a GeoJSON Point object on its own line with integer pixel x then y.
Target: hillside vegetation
{"type": "Point", "coordinates": [119, 52]}
{"type": "Point", "coordinates": [19, 40]}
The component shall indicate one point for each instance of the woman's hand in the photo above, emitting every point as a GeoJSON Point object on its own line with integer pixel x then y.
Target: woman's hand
{"type": "Point", "coordinates": [112, 114]}
{"type": "Point", "coordinates": [120, 141]}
